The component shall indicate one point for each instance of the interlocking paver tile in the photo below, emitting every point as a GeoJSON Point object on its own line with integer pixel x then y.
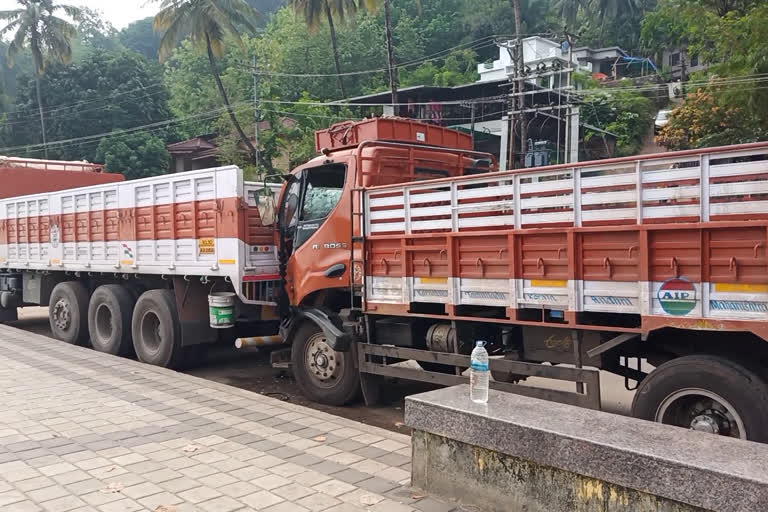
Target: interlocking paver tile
{"type": "Point", "coordinates": [238, 489]}
{"type": "Point", "coordinates": [286, 507]}
{"type": "Point", "coordinates": [261, 500]}
{"type": "Point", "coordinates": [198, 494]}
{"type": "Point", "coordinates": [293, 491]}
{"type": "Point", "coordinates": [270, 481]}
{"type": "Point", "coordinates": [334, 487]}
{"type": "Point", "coordinates": [47, 493]}
{"type": "Point", "coordinates": [317, 502]}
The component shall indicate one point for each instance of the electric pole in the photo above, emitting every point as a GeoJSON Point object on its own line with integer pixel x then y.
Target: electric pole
{"type": "Point", "coordinates": [390, 53]}
{"type": "Point", "coordinates": [519, 62]}
{"type": "Point", "coordinates": [256, 116]}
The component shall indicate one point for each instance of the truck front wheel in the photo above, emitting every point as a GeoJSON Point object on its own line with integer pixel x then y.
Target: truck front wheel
{"type": "Point", "coordinates": [156, 330]}
{"type": "Point", "coordinates": [109, 319]}
{"type": "Point", "coordinates": [68, 313]}
{"type": "Point", "coordinates": [324, 375]}
{"type": "Point", "coordinates": [706, 393]}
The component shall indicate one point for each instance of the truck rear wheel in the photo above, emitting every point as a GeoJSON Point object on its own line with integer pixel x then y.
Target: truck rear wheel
{"type": "Point", "coordinates": [156, 329]}
{"type": "Point", "coordinates": [324, 375]}
{"type": "Point", "coordinates": [706, 393]}
{"type": "Point", "coordinates": [68, 313]}
{"type": "Point", "coordinates": [109, 319]}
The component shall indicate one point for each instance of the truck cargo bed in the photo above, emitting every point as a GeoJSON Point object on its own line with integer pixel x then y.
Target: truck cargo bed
{"type": "Point", "coordinates": [198, 223]}
{"type": "Point", "coordinates": [670, 240]}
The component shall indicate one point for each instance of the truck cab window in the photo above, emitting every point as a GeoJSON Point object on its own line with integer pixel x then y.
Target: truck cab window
{"type": "Point", "coordinates": [322, 193]}
{"type": "Point", "coordinates": [310, 199]}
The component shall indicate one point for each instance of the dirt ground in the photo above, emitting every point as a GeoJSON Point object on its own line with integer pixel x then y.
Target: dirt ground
{"type": "Point", "coordinates": [252, 371]}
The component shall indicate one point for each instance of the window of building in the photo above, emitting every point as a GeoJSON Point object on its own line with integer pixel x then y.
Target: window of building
{"type": "Point", "coordinates": [694, 60]}
{"type": "Point", "coordinates": [674, 59]}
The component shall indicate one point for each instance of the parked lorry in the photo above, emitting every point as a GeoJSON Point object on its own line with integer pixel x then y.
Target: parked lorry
{"type": "Point", "coordinates": [22, 176]}
{"type": "Point", "coordinates": [401, 243]}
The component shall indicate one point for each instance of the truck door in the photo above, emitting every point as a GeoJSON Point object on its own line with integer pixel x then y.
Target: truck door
{"type": "Point", "coordinates": [313, 230]}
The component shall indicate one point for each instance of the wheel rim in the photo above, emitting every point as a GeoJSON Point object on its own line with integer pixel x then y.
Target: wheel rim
{"type": "Point", "coordinates": [62, 315]}
{"type": "Point", "coordinates": [150, 332]}
{"type": "Point", "coordinates": [701, 410]}
{"type": "Point", "coordinates": [104, 326]}
{"type": "Point", "coordinates": [325, 366]}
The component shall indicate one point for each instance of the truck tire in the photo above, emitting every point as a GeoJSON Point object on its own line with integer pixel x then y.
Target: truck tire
{"type": "Point", "coordinates": [324, 375]}
{"type": "Point", "coordinates": [706, 393]}
{"type": "Point", "coordinates": [156, 329]}
{"type": "Point", "coordinates": [109, 319]}
{"type": "Point", "coordinates": [68, 313]}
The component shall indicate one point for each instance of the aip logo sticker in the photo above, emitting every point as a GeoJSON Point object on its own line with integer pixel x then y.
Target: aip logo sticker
{"type": "Point", "coordinates": [677, 296]}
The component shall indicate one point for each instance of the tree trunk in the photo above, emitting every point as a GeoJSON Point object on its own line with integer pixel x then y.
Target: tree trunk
{"type": "Point", "coordinates": [215, 71]}
{"type": "Point", "coordinates": [42, 116]}
{"type": "Point", "coordinates": [335, 46]}
{"type": "Point", "coordinates": [520, 82]}
{"type": "Point", "coordinates": [390, 52]}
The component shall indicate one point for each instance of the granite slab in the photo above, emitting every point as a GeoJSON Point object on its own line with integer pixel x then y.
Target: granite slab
{"type": "Point", "coordinates": [699, 469]}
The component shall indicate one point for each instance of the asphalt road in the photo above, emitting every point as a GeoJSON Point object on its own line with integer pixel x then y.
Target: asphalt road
{"type": "Point", "coordinates": [252, 371]}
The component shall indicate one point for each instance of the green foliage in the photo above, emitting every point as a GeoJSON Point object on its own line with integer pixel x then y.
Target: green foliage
{"type": "Point", "coordinates": [140, 36]}
{"type": "Point", "coordinates": [626, 113]}
{"type": "Point", "coordinates": [732, 36]}
{"type": "Point", "coordinates": [135, 155]}
{"type": "Point", "coordinates": [106, 91]}
{"type": "Point", "coordinates": [206, 23]}
{"type": "Point", "coordinates": [457, 69]}
{"type": "Point", "coordinates": [704, 120]}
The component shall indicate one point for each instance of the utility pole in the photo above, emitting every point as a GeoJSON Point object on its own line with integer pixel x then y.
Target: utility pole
{"type": "Point", "coordinates": [519, 60]}
{"type": "Point", "coordinates": [390, 53]}
{"type": "Point", "coordinates": [572, 116]}
{"type": "Point", "coordinates": [256, 116]}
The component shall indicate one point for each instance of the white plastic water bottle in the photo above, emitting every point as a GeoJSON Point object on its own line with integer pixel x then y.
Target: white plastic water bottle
{"type": "Point", "coordinates": [479, 374]}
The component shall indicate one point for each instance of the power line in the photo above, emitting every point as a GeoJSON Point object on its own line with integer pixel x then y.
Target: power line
{"type": "Point", "coordinates": [60, 108]}
{"type": "Point", "coordinates": [484, 42]}
{"type": "Point", "coordinates": [248, 104]}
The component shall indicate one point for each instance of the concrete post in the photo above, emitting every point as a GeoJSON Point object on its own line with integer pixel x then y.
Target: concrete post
{"type": "Point", "coordinates": [504, 151]}
{"type": "Point", "coordinates": [573, 135]}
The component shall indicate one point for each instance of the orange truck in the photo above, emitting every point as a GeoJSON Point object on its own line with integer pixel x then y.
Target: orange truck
{"type": "Point", "coordinates": [399, 246]}
{"type": "Point", "coordinates": [401, 243]}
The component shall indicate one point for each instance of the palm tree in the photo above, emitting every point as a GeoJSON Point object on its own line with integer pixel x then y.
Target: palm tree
{"type": "Point", "coordinates": [47, 37]}
{"type": "Point", "coordinates": [208, 23]}
{"type": "Point", "coordinates": [313, 12]}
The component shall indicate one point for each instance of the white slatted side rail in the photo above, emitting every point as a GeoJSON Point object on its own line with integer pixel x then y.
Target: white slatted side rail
{"type": "Point", "coordinates": [684, 188]}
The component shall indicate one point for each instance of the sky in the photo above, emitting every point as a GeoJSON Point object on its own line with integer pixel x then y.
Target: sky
{"type": "Point", "coordinates": [118, 12]}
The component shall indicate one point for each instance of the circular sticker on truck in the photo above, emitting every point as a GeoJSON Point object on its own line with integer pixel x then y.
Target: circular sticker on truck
{"type": "Point", "coordinates": [677, 296]}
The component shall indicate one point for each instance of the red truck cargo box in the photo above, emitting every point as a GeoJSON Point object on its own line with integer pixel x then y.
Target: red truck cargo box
{"type": "Point", "coordinates": [20, 177]}
{"type": "Point", "coordinates": [350, 134]}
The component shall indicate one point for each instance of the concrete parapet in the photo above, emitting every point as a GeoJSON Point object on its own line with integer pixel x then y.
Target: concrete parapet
{"type": "Point", "coordinates": [522, 454]}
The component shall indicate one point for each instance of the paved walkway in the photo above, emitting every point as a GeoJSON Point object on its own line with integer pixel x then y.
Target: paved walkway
{"type": "Point", "coordinates": [81, 430]}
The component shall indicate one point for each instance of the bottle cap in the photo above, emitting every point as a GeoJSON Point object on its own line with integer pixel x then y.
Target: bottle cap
{"type": "Point", "coordinates": [480, 343]}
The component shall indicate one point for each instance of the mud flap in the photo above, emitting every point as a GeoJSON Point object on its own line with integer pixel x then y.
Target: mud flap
{"type": "Point", "coordinates": [337, 339]}
{"type": "Point", "coordinates": [192, 305]}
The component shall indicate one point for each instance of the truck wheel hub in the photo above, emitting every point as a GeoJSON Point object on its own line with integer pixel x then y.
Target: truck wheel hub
{"type": "Point", "coordinates": [324, 365]}
{"type": "Point", "coordinates": [61, 315]}
{"type": "Point", "coordinates": [703, 411]}
{"type": "Point", "coordinates": [705, 423]}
